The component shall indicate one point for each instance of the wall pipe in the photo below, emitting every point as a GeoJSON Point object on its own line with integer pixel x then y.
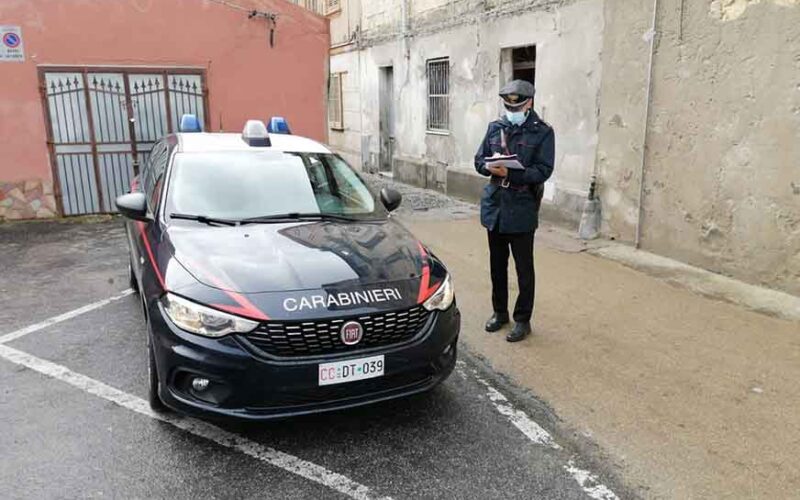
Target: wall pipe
{"type": "Point", "coordinates": [652, 35]}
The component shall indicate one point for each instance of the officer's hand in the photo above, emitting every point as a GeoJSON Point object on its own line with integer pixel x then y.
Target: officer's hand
{"type": "Point", "coordinates": [499, 171]}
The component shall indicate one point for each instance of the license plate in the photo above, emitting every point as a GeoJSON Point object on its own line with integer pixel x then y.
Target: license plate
{"type": "Point", "coordinates": [351, 370]}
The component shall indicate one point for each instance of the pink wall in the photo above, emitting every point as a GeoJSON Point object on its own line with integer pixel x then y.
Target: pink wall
{"type": "Point", "coordinates": [246, 77]}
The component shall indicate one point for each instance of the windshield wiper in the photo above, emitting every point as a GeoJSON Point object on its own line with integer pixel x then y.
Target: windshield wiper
{"type": "Point", "coordinates": [205, 219]}
{"type": "Point", "coordinates": [297, 216]}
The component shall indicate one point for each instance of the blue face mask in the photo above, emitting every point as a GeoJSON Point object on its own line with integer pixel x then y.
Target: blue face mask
{"type": "Point", "coordinates": [516, 117]}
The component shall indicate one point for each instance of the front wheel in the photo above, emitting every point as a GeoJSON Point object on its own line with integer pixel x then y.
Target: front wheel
{"type": "Point", "coordinates": [132, 279]}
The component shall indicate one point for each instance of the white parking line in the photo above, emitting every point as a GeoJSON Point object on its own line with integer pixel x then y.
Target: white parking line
{"type": "Point", "coordinates": [588, 482]}
{"type": "Point", "coordinates": [8, 337]}
{"type": "Point", "coordinates": [520, 419]}
{"type": "Point", "coordinates": [211, 432]}
{"type": "Point", "coordinates": [536, 433]}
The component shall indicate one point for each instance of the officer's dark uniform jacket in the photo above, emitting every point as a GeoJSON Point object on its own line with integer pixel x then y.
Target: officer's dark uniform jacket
{"type": "Point", "coordinates": [515, 209]}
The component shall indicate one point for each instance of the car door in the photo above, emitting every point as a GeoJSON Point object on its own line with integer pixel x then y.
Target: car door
{"type": "Point", "coordinates": [144, 233]}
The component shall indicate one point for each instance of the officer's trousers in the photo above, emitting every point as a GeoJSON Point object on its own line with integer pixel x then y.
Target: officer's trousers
{"type": "Point", "coordinates": [521, 246]}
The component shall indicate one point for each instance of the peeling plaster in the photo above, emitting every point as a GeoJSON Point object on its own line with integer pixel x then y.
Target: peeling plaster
{"type": "Point", "coordinates": [730, 10]}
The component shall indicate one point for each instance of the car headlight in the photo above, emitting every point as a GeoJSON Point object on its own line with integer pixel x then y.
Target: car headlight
{"type": "Point", "coordinates": [442, 298]}
{"type": "Point", "coordinates": [203, 320]}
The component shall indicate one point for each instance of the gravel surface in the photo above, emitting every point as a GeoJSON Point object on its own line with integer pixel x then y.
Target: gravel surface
{"type": "Point", "coordinates": [421, 202]}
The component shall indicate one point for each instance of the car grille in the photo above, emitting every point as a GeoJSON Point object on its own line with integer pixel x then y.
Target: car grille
{"type": "Point", "coordinates": [310, 338]}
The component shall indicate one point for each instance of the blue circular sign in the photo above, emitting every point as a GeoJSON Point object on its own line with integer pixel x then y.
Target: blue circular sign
{"type": "Point", "coordinates": [11, 40]}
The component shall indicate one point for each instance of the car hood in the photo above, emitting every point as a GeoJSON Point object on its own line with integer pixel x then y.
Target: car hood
{"type": "Point", "coordinates": [298, 256]}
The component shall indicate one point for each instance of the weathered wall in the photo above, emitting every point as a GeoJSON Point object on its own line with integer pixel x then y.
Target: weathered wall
{"type": "Point", "coordinates": [344, 59]}
{"type": "Point", "coordinates": [568, 37]}
{"type": "Point", "coordinates": [722, 168]}
{"type": "Point", "coordinates": [246, 77]}
{"type": "Point", "coordinates": [347, 142]}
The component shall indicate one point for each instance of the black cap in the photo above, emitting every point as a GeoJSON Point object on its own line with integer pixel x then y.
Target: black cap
{"type": "Point", "coordinates": [516, 92]}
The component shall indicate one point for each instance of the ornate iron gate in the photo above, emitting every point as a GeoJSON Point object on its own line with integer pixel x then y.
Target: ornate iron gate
{"type": "Point", "coordinates": [102, 123]}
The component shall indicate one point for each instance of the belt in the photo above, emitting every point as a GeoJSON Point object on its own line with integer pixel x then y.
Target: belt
{"type": "Point", "coordinates": [503, 182]}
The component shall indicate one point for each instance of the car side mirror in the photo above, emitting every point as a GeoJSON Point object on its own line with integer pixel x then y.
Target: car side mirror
{"type": "Point", "coordinates": [133, 206]}
{"type": "Point", "coordinates": [390, 198]}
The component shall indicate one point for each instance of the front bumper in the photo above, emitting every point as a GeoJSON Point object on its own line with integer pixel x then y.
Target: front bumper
{"type": "Point", "coordinates": [246, 385]}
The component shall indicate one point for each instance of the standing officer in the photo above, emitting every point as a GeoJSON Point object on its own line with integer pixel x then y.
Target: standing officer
{"type": "Point", "coordinates": [510, 202]}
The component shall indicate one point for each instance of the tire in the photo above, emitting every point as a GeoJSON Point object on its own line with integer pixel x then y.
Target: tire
{"type": "Point", "coordinates": [152, 378]}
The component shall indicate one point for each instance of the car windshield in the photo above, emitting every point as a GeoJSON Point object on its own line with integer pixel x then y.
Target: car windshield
{"type": "Point", "coordinates": [244, 185]}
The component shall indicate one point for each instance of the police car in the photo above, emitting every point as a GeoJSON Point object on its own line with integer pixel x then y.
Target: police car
{"type": "Point", "coordinates": [274, 281]}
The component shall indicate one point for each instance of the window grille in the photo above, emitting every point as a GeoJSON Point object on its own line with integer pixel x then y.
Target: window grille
{"type": "Point", "coordinates": [332, 6]}
{"type": "Point", "coordinates": [335, 118]}
{"type": "Point", "coordinates": [439, 94]}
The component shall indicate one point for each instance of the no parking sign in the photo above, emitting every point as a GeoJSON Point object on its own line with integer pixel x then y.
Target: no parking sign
{"type": "Point", "coordinates": [11, 48]}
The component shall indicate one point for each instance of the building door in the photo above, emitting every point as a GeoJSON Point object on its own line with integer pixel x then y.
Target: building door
{"type": "Point", "coordinates": [102, 124]}
{"type": "Point", "coordinates": [386, 120]}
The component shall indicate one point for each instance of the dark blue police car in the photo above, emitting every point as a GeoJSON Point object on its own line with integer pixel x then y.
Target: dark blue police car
{"type": "Point", "coordinates": [274, 281]}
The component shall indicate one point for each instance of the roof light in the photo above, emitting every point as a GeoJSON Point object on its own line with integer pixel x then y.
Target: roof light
{"type": "Point", "coordinates": [255, 134]}
{"type": "Point", "coordinates": [190, 123]}
{"type": "Point", "coordinates": [278, 125]}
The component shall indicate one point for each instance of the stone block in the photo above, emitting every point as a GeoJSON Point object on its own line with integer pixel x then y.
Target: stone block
{"type": "Point", "coordinates": [34, 194]}
{"type": "Point", "coordinates": [47, 188]}
{"type": "Point", "coordinates": [466, 185]}
{"type": "Point", "coordinates": [36, 205]}
{"type": "Point", "coordinates": [44, 213]}
{"type": "Point", "coordinates": [49, 202]}
{"type": "Point", "coordinates": [31, 185]}
{"type": "Point", "coordinates": [410, 172]}
{"type": "Point", "coordinates": [16, 194]}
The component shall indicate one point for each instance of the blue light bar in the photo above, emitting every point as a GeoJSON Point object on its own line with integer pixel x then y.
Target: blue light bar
{"type": "Point", "coordinates": [190, 123]}
{"type": "Point", "coordinates": [278, 125]}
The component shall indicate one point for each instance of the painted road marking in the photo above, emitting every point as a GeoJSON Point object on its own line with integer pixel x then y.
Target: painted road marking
{"type": "Point", "coordinates": [8, 337]}
{"type": "Point", "coordinates": [289, 463]}
{"type": "Point", "coordinates": [520, 419]}
{"type": "Point", "coordinates": [536, 434]}
{"type": "Point", "coordinates": [589, 483]}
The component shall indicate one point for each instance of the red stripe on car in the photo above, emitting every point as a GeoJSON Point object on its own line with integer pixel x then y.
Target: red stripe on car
{"type": "Point", "coordinates": [140, 225]}
{"type": "Point", "coordinates": [425, 288]}
{"type": "Point", "coordinates": [245, 307]}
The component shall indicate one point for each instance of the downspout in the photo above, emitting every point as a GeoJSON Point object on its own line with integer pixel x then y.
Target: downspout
{"type": "Point", "coordinates": [404, 12]}
{"type": "Point", "coordinates": [652, 36]}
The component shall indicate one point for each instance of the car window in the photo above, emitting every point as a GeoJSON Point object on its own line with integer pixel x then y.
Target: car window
{"type": "Point", "coordinates": [240, 185]}
{"type": "Point", "coordinates": [154, 176]}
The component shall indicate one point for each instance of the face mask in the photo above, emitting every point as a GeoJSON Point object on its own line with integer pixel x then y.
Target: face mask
{"type": "Point", "coordinates": [516, 118]}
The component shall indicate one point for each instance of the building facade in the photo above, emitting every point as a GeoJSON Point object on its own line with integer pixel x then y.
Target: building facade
{"type": "Point", "coordinates": [685, 113]}
{"type": "Point", "coordinates": [419, 82]}
{"type": "Point", "coordinates": [87, 87]}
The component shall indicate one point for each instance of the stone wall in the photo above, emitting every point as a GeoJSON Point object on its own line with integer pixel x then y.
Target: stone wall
{"type": "Point", "coordinates": [722, 162]}
{"type": "Point", "coordinates": [32, 199]}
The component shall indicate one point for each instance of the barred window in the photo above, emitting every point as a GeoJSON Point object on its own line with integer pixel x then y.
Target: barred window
{"type": "Point", "coordinates": [335, 118]}
{"type": "Point", "coordinates": [438, 94]}
{"type": "Point", "coordinates": [332, 6]}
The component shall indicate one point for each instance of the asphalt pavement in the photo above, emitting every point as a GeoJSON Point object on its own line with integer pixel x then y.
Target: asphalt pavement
{"type": "Point", "coordinates": [75, 424]}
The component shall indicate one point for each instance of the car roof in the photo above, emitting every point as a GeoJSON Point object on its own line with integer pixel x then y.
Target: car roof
{"type": "Point", "coordinates": [203, 142]}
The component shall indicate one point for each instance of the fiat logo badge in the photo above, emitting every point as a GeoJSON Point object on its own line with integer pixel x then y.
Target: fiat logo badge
{"type": "Point", "coordinates": [352, 333]}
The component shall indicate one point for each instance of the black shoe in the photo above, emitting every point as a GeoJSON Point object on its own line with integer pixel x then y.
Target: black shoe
{"type": "Point", "coordinates": [519, 332]}
{"type": "Point", "coordinates": [496, 322]}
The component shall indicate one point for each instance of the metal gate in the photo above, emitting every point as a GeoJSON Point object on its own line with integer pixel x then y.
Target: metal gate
{"type": "Point", "coordinates": [102, 123]}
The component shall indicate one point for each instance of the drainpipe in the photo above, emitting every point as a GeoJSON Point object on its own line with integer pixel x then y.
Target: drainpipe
{"type": "Point", "coordinates": [405, 14]}
{"type": "Point", "coordinates": [652, 36]}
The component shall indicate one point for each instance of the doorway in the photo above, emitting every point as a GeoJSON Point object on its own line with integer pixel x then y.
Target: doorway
{"type": "Point", "coordinates": [386, 118]}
